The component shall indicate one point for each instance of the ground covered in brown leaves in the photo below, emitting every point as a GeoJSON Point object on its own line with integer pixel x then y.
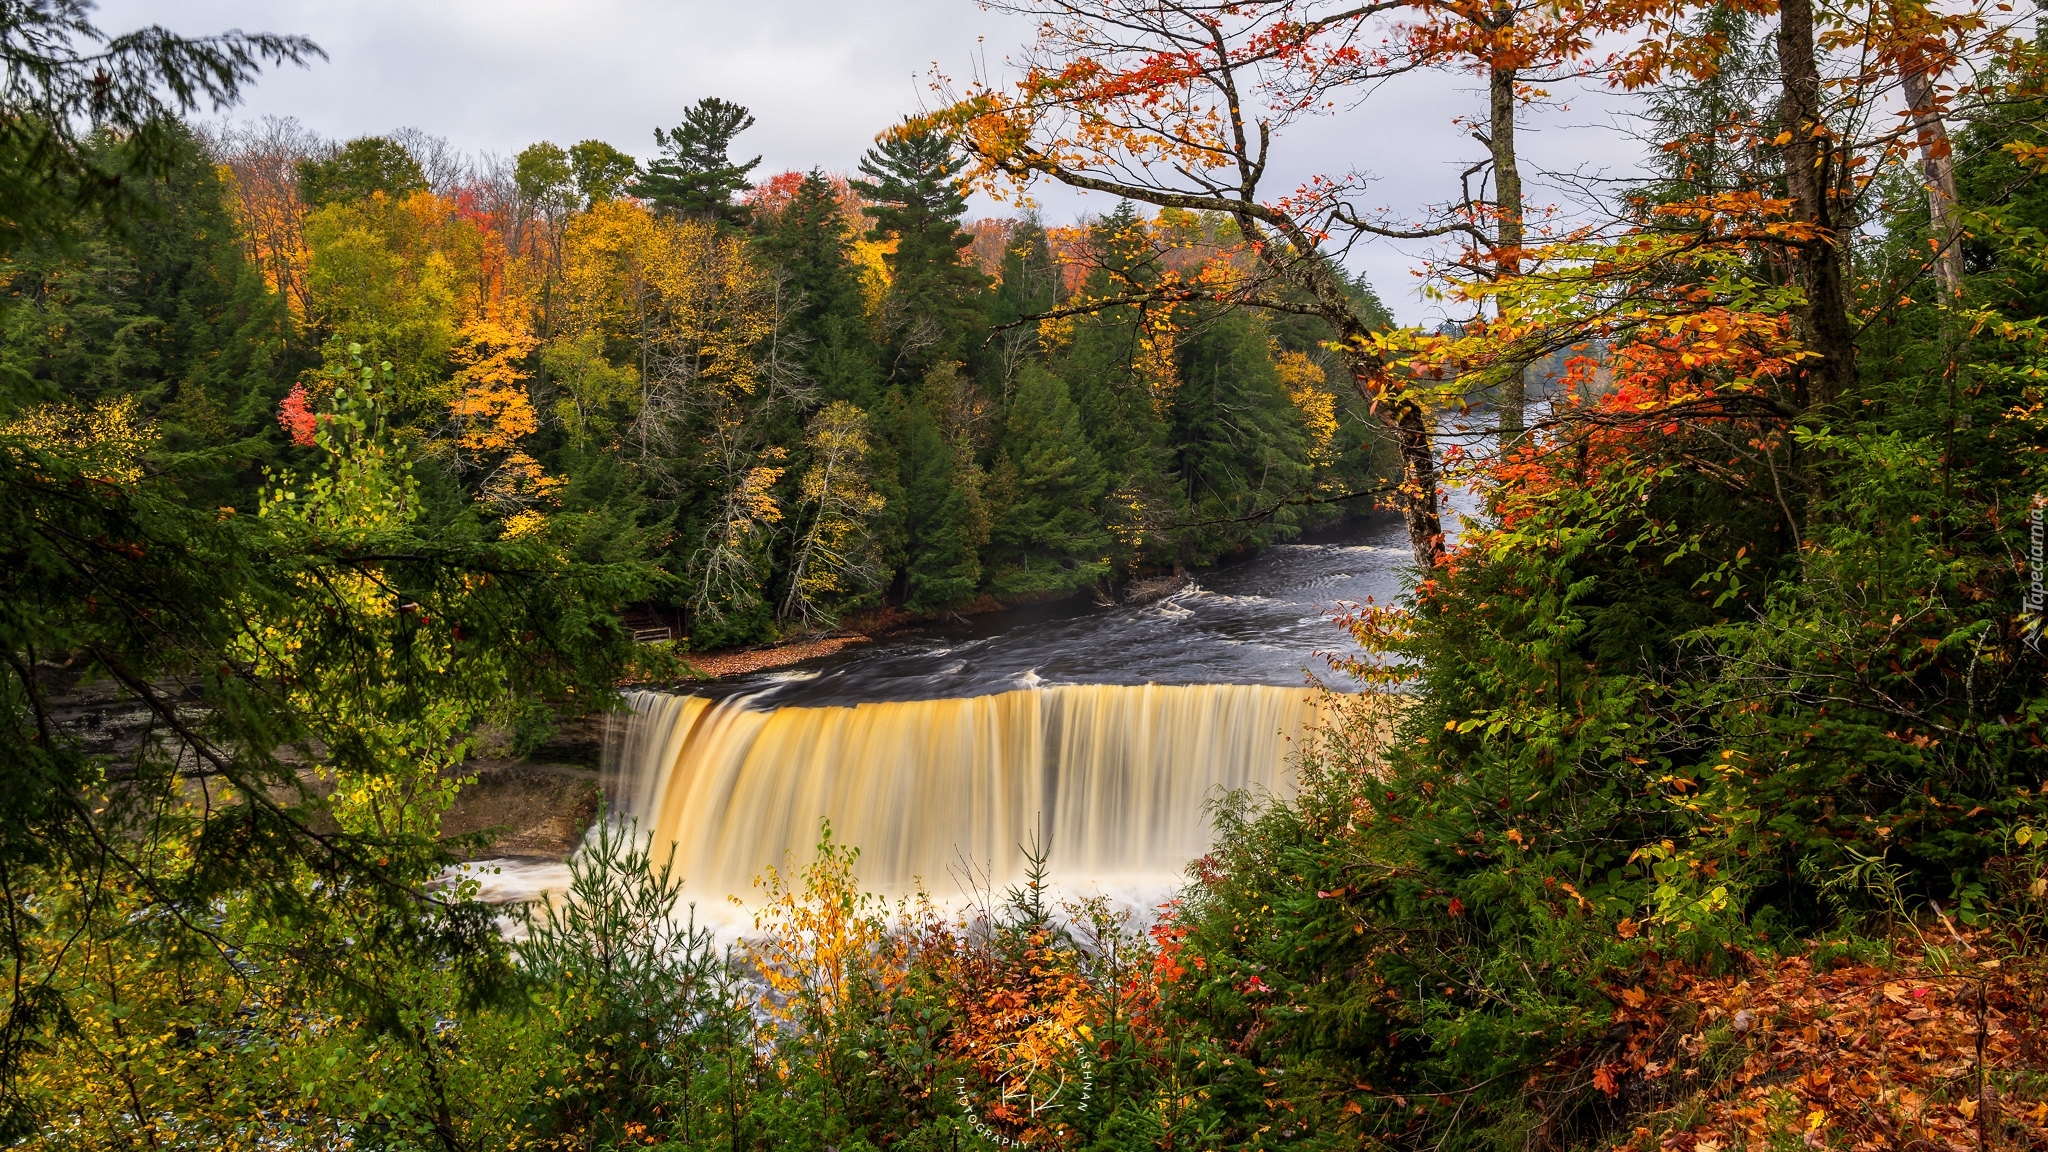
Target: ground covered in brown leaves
{"type": "Point", "coordinates": [1927, 1048]}
{"type": "Point", "coordinates": [740, 663]}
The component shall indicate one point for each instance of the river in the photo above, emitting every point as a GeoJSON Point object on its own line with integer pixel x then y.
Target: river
{"type": "Point", "coordinates": [1262, 620]}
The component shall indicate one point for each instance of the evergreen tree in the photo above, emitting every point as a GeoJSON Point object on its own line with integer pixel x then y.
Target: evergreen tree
{"type": "Point", "coordinates": [1030, 284]}
{"type": "Point", "coordinates": [364, 165]}
{"type": "Point", "coordinates": [939, 567]}
{"type": "Point", "coordinates": [1047, 535]}
{"type": "Point", "coordinates": [1117, 409]}
{"type": "Point", "coordinates": [173, 317]}
{"type": "Point", "coordinates": [696, 176]}
{"type": "Point", "coordinates": [1239, 448]}
{"type": "Point", "coordinates": [807, 242]}
{"type": "Point", "coordinates": [936, 296]}
{"type": "Point", "coordinates": [71, 87]}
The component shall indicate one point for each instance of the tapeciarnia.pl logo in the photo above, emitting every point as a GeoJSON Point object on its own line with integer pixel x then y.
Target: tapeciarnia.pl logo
{"type": "Point", "coordinates": [2036, 614]}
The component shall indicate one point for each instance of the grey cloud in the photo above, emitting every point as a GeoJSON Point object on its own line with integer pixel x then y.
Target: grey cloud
{"type": "Point", "coordinates": [822, 76]}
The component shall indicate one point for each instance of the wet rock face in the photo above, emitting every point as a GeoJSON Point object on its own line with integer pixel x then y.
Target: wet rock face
{"type": "Point", "coordinates": [532, 807]}
{"type": "Point", "coordinates": [537, 806]}
{"type": "Point", "coordinates": [110, 722]}
{"type": "Point", "coordinates": [528, 810]}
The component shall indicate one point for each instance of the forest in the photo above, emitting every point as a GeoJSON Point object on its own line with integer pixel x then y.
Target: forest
{"type": "Point", "coordinates": [1693, 799]}
{"type": "Point", "coordinates": [796, 399]}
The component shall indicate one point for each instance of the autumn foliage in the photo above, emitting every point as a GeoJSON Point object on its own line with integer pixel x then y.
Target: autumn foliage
{"type": "Point", "coordinates": [1698, 800]}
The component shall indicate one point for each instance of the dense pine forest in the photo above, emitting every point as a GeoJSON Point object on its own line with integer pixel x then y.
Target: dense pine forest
{"type": "Point", "coordinates": [1694, 798]}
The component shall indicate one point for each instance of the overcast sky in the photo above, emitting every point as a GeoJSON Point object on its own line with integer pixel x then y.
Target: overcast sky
{"type": "Point", "coordinates": [822, 76]}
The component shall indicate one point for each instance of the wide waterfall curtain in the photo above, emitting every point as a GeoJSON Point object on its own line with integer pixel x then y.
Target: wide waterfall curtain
{"type": "Point", "coordinates": [1115, 781]}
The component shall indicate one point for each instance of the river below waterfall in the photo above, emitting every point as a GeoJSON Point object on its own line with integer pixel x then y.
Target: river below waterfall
{"type": "Point", "coordinates": [1103, 732]}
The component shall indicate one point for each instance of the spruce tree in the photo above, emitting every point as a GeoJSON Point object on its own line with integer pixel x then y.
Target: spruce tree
{"type": "Point", "coordinates": [1238, 444]}
{"type": "Point", "coordinates": [173, 316]}
{"type": "Point", "coordinates": [1117, 409]}
{"type": "Point", "coordinates": [1031, 281]}
{"type": "Point", "coordinates": [807, 243]}
{"type": "Point", "coordinates": [939, 567]}
{"type": "Point", "coordinates": [1029, 286]}
{"type": "Point", "coordinates": [696, 176]}
{"type": "Point", "coordinates": [936, 297]}
{"type": "Point", "coordinates": [1047, 537]}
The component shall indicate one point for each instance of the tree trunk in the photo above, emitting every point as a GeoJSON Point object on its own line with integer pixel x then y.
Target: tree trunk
{"type": "Point", "coordinates": [1938, 172]}
{"type": "Point", "coordinates": [1390, 402]}
{"type": "Point", "coordinates": [1512, 395]}
{"type": "Point", "coordinates": [1809, 166]}
{"type": "Point", "coordinates": [1418, 485]}
{"type": "Point", "coordinates": [1417, 449]}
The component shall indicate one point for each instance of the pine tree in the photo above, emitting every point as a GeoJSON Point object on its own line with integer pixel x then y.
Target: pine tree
{"type": "Point", "coordinates": [936, 296]}
{"type": "Point", "coordinates": [1047, 537]}
{"type": "Point", "coordinates": [696, 176]}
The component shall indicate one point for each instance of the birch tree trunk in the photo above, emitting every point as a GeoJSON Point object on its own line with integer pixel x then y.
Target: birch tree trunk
{"type": "Point", "coordinates": [1938, 173]}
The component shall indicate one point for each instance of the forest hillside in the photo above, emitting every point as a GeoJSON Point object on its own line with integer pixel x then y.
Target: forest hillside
{"type": "Point", "coordinates": [798, 397]}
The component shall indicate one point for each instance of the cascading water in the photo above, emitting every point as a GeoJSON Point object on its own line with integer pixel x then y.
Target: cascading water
{"type": "Point", "coordinates": [1115, 781]}
{"type": "Point", "coordinates": [941, 751]}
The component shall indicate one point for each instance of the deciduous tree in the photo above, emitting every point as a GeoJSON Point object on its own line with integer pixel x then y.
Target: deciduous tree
{"type": "Point", "coordinates": [1180, 105]}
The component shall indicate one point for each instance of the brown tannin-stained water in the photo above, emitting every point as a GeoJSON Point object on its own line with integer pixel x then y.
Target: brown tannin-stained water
{"type": "Point", "coordinates": [1113, 780]}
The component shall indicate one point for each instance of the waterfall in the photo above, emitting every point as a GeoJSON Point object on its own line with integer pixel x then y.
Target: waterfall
{"type": "Point", "coordinates": [1114, 780]}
